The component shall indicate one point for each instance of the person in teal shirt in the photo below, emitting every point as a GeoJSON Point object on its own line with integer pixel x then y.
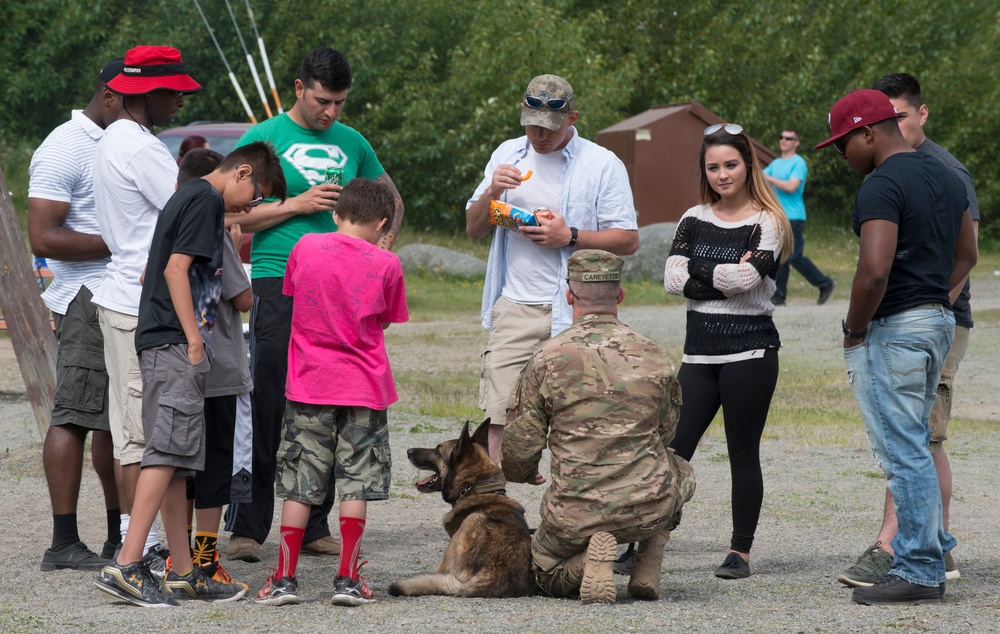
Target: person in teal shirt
{"type": "Point", "coordinates": [787, 175]}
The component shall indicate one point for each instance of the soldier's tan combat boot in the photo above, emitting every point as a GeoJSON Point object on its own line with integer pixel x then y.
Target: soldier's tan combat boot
{"type": "Point", "coordinates": [645, 580]}
{"type": "Point", "coordinates": [598, 584]}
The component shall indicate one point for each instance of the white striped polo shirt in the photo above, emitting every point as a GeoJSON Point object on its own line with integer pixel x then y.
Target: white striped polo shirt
{"type": "Point", "coordinates": [62, 170]}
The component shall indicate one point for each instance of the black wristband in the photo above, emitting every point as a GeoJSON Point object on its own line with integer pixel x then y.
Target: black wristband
{"type": "Point", "coordinates": [850, 333]}
{"type": "Point", "coordinates": [574, 235]}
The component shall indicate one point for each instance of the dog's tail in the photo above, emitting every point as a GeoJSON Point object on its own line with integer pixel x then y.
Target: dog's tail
{"type": "Point", "coordinates": [430, 583]}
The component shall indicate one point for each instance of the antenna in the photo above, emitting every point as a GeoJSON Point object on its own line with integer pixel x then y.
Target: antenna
{"type": "Point", "coordinates": [232, 77]}
{"type": "Point", "coordinates": [253, 67]}
{"type": "Point", "coordinates": [263, 56]}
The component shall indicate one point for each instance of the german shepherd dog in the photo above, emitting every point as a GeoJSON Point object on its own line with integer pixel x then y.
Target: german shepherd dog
{"type": "Point", "coordinates": [489, 554]}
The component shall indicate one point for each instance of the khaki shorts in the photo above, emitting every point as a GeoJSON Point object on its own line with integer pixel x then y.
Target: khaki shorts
{"type": "Point", "coordinates": [941, 411]}
{"type": "Point", "coordinates": [320, 442]}
{"type": "Point", "coordinates": [516, 332]}
{"type": "Point", "coordinates": [173, 409]}
{"type": "Point", "coordinates": [124, 385]}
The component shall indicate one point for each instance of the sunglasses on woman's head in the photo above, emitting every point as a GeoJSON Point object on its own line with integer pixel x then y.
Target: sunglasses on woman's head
{"type": "Point", "coordinates": [731, 128]}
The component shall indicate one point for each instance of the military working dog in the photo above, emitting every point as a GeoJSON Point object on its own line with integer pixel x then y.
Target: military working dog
{"type": "Point", "coordinates": [489, 554]}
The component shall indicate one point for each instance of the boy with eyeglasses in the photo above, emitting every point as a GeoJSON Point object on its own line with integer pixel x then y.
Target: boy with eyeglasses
{"type": "Point", "coordinates": [177, 310]}
{"type": "Point", "coordinates": [787, 176]}
{"type": "Point", "coordinates": [586, 189]}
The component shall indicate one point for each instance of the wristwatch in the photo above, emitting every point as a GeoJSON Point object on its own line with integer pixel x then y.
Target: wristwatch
{"type": "Point", "coordinates": [574, 235]}
{"type": "Point", "coordinates": [850, 334]}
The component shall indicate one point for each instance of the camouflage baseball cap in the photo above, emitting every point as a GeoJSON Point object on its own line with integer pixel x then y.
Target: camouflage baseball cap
{"type": "Point", "coordinates": [594, 265]}
{"type": "Point", "coordinates": [547, 88]}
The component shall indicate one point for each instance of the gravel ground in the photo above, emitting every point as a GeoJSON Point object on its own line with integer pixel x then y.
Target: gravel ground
{"type": "Point", "coordinates": [821, 509]}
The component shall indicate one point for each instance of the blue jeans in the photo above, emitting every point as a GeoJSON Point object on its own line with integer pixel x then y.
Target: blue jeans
{"type": "Point", "coordinates": [801, 263]}
{"type": "Point", "coordinates": [894, 375]}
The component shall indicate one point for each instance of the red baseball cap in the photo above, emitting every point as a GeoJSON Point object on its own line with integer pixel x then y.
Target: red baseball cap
{"type": "Point", "coordinates": [856, 110]}
{"type": "Point", "coordinates": [149, 68]}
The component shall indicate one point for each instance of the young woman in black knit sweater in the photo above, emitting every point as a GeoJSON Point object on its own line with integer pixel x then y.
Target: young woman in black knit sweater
{"type": "Point", "coordinates": [723, 260]}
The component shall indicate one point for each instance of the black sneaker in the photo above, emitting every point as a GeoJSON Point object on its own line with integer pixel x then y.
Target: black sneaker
{"type": "Point", "coordinates": [733, 567]}
{"type": "Point", "coordinates": [624, 563]}
{"type": "Point", "coordinates": [134, 584]}
{"type": "Point", "coordinates": [777, 301]}
{"type": "Point", "coordinates": [284, 591]}
{"type": "Point", "coordinates": [825, 292]}
{"type": "Point", "coordinates": [73, 557]}
{"type": "Point", "coordinates": [347, 592]}
{"type": "Point", "coordinates": [198, 585]}
{"type": "Point", "coordinates": [156, 562]}
{"type": "Point", "coordinates": [893, 590]}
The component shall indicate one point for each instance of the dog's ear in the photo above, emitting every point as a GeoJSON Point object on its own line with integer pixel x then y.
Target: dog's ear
{"type": "Point", "coordinates": [463, 444]}
{"type": "Point", "coordinates": [482, 435]}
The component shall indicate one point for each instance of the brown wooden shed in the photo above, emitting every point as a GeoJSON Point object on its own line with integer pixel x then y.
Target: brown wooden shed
{"type": "Point", "coordinates": [660, 150]}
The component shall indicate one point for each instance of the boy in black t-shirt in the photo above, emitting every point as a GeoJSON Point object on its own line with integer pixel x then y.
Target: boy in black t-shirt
{"type": "Point", "coordinates": [176, 314]}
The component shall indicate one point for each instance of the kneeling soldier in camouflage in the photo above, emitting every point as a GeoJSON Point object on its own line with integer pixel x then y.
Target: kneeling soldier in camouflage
{"type": "Point", "coordinates": [606, 401]}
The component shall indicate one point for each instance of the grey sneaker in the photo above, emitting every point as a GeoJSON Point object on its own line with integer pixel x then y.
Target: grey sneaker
{"type": "Point", "coordinates": [198, 585]}
{"type": "Point", "coordinates": [896, 590]}
{"type": "Point", "coordinates": [951, 572]}
{"type": "Point", "coordinates": [156, 562]}
{"type": "Point", "coordinates": [74, 557]}
{"type": "Point", "coordinates": [871, 567]}
{"type": "Point", "coordinates": [134, 584]}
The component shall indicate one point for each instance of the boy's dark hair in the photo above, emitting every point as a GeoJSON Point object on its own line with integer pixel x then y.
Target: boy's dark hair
{"type": "Point", "coordinates": [900, 86]}
{"type": "Point", "coordinates": [266, 166]}
{"type": "Point", "coordinates": [197, 163]}
{"type": "Point", "coordinates": [366, 202]}
{"type": "Point", "coordinates": [328, 67]}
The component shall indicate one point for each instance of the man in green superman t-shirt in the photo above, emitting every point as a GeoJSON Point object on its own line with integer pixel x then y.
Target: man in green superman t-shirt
{"type": "Point", "coordinates": [308, 139]}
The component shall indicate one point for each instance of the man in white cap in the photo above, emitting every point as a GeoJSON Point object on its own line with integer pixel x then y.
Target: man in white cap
{"type": "Point", "coordinates": [586, 189]}
{"type": "Point", "coordinates": [134, 176]}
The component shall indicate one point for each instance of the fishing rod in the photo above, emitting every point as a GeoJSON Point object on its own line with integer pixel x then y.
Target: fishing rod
{"type": "Point", "coordinates": [253, 67]}
{"type": "Point", "coordinates": [232, 77]}
{"type": "Point", "coordinates": [263, 55]}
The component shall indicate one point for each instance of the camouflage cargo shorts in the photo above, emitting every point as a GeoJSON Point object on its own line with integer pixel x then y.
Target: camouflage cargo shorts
{"type": "Point", "coordinates": [320, 442]}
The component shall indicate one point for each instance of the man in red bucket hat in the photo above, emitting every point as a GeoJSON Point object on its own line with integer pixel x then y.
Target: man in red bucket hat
{"type": "Point", "coordinates": [134, 176]}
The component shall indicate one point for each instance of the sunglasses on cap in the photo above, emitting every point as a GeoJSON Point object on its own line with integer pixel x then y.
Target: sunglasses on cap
{"type": "Point", "coordinates": [731, 128]}
{"type": "Point", "coordinates": [258, 198]}
{"type": "Point", "coordinates": [536, 103]}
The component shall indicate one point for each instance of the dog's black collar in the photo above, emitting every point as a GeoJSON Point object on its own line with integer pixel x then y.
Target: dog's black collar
{"type": "Point", "coordinates": [483, 486]}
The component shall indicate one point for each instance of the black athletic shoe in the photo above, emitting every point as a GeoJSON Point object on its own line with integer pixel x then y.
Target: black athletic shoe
{"type": "Point", "coordinates": [825, 292]}
{"type": "Point", "coordinates": [198, 585]}
{"type": "Point", "coordinates": [134, 584]}
{"type": "Point", "coordinates": [73, 557]}
{"type": "Point", "coordinates": [156, 562]}
{"type": "Point", "coordinates": [624, 563]}
{"type": "Point", "coordinates": [734, 567]}
{"type": "Point", "coordinates": [894, 590]}
{"type": "Point", "coordinates": [284, 591]}
{"type": "Point", "coordinates": [110, 550]}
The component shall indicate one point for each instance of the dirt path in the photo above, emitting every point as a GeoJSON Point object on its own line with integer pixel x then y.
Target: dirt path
{"type": "Point", "coordinates": [821, 508]}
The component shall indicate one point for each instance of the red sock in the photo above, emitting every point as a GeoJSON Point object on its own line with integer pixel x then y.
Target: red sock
{"type": "Point", "coordinates": [289, 545]}
{"type": "Point", "coordinates": [351, 529]}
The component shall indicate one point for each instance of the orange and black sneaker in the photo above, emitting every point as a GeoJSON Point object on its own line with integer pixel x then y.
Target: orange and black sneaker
{"type": "Point", "coordinates": [220, 574]}
{"type": "Point", "coordinates": [283, 591]}
{"type": "Point", "coordinates": [352, 592]}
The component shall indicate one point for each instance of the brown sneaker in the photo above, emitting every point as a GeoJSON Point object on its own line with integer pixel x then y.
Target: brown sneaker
{"type": "Point", "coordinates": [598, 585]}
{"type": "Point", "coordinates": [328, 545]}
{"type": "Point", "coordinates": [644, 583]}
{"type": "Point", "coordinates": [243, 548]}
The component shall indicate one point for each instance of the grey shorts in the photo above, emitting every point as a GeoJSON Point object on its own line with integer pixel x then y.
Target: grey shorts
{"type": "Point", "coordinates": [173, 409]}
{"type": "Point", "coordinates": [350, 444]}
{"type": "Point", "coordinates": [81, 396]}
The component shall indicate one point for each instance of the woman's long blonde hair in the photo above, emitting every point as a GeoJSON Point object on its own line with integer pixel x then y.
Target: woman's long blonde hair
{"type": "Point", "coordinates": [758, 190]}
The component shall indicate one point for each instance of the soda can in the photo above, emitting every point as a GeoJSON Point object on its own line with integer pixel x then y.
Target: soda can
{"type": "Point", "coordinates": [335, 176]}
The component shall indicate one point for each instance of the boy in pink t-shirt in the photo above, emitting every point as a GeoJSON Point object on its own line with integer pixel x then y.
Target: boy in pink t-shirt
{"type": "Point", "coordinates": [345, 291]}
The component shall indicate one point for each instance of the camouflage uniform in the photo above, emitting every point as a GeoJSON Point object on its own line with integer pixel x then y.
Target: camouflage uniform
{"type": "Point", "coordinates": [605, 400]}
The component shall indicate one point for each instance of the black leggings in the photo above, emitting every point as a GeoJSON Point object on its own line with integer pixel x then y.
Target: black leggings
{"type": "Point", "coordinates": [743, 389]}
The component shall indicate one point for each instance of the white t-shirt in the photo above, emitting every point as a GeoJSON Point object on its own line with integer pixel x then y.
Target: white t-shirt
{"type": "Point", "coordinates": [134, 177]}
{"type": "Point", "coordinates": [533, 271]}
{"type": "Point", "coordinates": [62, 171]}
